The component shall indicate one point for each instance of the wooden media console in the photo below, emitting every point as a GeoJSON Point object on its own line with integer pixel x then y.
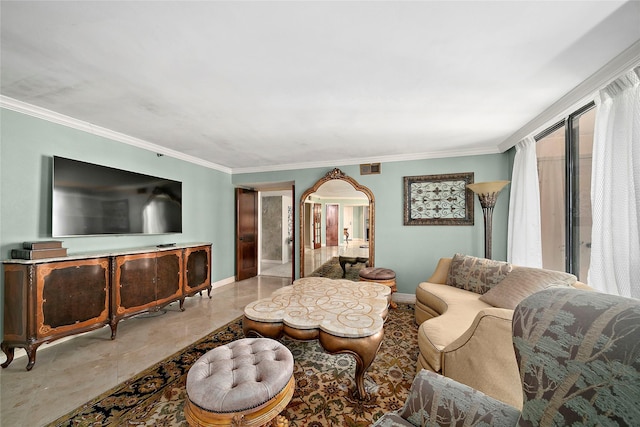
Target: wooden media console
{"type": "Point", "coordinates": [48, 299]}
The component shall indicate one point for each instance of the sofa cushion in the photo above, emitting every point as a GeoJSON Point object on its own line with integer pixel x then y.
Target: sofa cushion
{"type": "Point", "coordinates": [458, 309]}
{"type": "Point", "coordinates": [476, 274]}
{"type": "Point", "coordinates": [522, 282]}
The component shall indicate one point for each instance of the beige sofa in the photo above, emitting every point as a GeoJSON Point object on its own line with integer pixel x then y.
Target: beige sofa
{"type": "Point", "coordinates": [467, 337]}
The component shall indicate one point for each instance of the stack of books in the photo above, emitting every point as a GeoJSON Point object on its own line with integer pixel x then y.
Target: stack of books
{"type": "Point", "coordinates": [40, 250]}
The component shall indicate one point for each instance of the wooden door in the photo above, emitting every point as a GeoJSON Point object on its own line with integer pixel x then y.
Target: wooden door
{"type": "Point", "coordinates": [246, 233]}
{"type": "Point", "coordinates": [332, 225]}
{"type": "Point", "coordinates": [293, 233]}
{"type": "Point", "coordinates": [317, 225]}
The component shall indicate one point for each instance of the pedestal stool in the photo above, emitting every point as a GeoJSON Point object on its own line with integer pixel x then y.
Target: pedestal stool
{"type": "Point", "coordinates": [247, 382]}
{"type": "Point", "coordinates": [384, 276]}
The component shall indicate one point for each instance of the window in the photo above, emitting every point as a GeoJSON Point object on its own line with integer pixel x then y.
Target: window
{"type": "Point", "coordinates": [564, 171]}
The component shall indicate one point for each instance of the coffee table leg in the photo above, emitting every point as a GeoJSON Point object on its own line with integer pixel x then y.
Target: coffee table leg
{"type": "Point", "coordinates": [363, 350]}
{"type": "Point", "coordinates": [343, 264]}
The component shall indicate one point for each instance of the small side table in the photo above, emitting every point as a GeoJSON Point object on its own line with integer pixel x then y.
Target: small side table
{"type": "Point", "coordinates": [384, 276]}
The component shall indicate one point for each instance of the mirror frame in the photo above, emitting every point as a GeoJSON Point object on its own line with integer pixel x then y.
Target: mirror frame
{"type": "Point", "coordinates": [331, 175]}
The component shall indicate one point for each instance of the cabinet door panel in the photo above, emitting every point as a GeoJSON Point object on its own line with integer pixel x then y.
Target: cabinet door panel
{"type": "Point", "coordinates": [169, 281]}
{"type": "Point", "coordinates": [135, 279]}
{"type": "Point", "coordinates": [198, 269]}
{"type": "Point", "coordinates": [15, 301]}
{"type": "Point", "coordinates": [71, 295]}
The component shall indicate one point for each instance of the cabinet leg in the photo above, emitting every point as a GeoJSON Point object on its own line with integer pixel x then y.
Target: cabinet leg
{"type": "Point", "coordinates": [31, 352]}
{"type": "Point", "coordinates": [182, 304]}
{"type": "Point", "coordinates": [209, 292]}
{"type": "Point", "coordinates": [9, 352]}
{"type": "Point", "coordinates": [114, 329]}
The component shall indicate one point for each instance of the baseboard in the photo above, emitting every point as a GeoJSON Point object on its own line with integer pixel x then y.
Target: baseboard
{"type": "Point", "coordinates": [223, 282]}
{"type": "Point", "coordinates": [404, 298]}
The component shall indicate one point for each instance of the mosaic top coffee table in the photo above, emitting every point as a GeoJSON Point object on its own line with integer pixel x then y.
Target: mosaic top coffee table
{"type": "Point", "coordinates": [344, 316]}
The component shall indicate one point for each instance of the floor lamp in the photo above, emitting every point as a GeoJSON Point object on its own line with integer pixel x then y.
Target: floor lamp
{"type": "Point", "coordinates": [488, 195]}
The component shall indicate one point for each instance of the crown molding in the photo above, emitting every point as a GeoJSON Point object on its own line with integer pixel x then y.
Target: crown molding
{"type": "Point", "coordinates": [582, 94]}
{"type": "Point", "coordinates": [382, 159]}
{"type": "Point", "coordinates": [51, 116]}
{"type": "Point", "coordinates": [61, 119]}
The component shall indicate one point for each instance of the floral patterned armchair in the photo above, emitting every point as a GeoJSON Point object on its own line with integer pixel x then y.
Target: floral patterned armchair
{"type": "Point", "coordinates": [578, 353]}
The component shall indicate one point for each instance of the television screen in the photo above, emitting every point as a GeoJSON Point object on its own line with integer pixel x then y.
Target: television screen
{"type": "Point", "coordinates": [90, 199]}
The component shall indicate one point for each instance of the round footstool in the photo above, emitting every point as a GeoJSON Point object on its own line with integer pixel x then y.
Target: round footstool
{"type": "Point", "coordinates": [384, 276]}
{"type": "Point", "coordinates": [247, 382]}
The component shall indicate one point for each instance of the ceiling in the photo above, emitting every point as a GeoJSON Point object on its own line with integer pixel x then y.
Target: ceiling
{"type": "Point", "coordinates": [249, 86]}
{"type": "Point", "coordinates": [337, 189]}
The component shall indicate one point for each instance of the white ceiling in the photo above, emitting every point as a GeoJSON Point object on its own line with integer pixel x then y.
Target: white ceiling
{"type": "Point", "coordinates": [337, 189]}
{"type": "Point", "coordinates": [263, 85]}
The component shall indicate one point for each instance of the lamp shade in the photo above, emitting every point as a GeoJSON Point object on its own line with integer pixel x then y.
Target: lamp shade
{"type": "Point", "coordinates": [487, 187]}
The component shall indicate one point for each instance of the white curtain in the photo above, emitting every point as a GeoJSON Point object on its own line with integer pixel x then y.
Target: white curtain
{"type": "Point", "coordinates": [615, 189]}
{"type": "Point", "coordinates": [524, 241]}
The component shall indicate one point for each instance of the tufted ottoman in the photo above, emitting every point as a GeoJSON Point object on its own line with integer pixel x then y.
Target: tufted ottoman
{"type": "Point", "coordinates": [244, 383]}
{"type": "Point", "coordinates": [384, 276]}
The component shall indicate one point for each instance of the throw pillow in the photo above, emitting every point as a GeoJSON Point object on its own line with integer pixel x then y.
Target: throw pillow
{"type": "Point", "coordinates": [522, 282]}
{"type": "Point", "coordinates": [476, 274]}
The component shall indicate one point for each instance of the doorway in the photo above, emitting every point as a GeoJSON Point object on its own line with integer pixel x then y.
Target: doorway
{"type": "Point", "coordinates": [276, 233]}
{"type": "Point", "coordinates": [265, 235]}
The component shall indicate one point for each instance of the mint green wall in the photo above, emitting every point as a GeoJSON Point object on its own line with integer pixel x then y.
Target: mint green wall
{"type": "Point", "coordinates": [412, 251]}
{"type": "Point", "coordinates": [27, 145]}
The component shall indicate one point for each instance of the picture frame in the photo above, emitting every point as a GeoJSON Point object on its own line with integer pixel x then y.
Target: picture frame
{"type": "Point", "coordinates": [438, 199]}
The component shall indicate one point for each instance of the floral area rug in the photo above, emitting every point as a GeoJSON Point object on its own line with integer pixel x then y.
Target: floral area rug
{"type": "Point", "coordinates": [324, 383]}
{"type": "Point", "coordinates": [332, 270]}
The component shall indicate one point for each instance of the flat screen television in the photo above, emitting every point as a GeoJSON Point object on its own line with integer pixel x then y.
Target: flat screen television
{"type": "Point", "coordinates": [90, 199]}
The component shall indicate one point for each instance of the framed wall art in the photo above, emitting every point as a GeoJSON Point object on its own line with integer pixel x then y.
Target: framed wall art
{"type": "Point", "coordinates": [438, 199]}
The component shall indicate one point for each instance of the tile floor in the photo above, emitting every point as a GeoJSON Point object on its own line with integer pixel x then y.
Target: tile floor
{"type": "Point", "coordinates": [315, 258]}
{"type": "Point", "coordinates": [73, 371]}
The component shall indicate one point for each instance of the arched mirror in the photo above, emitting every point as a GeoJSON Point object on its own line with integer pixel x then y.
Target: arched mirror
{"type": "Point", "coordinates": [340, 201]}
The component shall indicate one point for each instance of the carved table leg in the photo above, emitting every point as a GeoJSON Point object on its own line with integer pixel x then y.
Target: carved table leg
{"type": "Point", "coordinates": [394, 288]}
{"type": "Point", "coordinates": [9, 351]}
{"type": "Point", "coordinates": [343, 265]}
{"type": "Point", "coordinates": [363, 350]}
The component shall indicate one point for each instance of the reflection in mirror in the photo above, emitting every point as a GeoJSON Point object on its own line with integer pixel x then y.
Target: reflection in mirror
{"type": "Point", "coordinates": [337, 217]}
